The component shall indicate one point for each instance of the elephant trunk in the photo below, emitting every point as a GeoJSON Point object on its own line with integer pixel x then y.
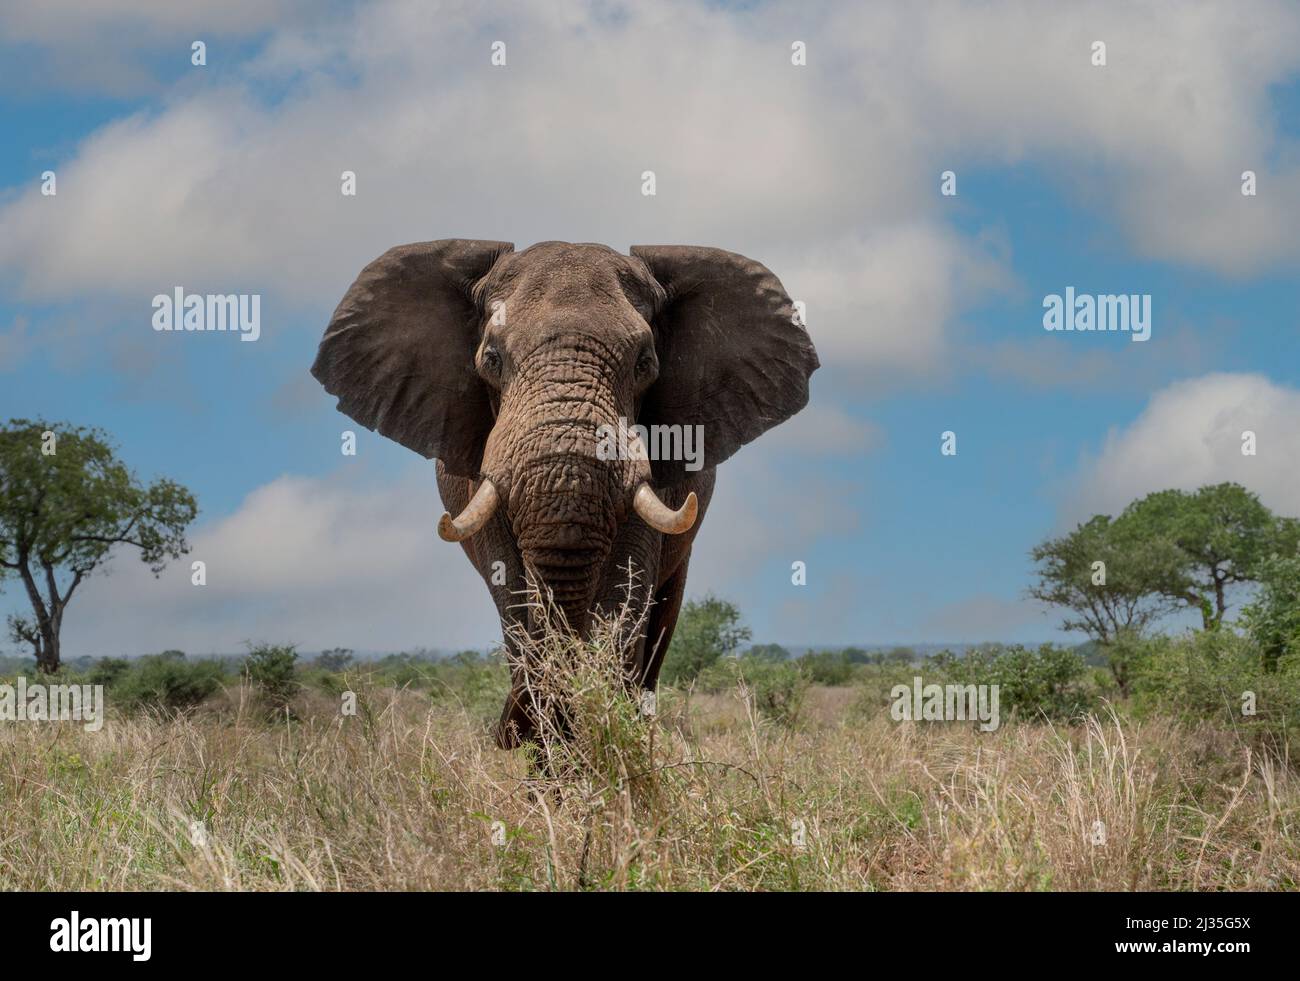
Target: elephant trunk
{"type": "Point", "coordinates": [565, 526]}
{"type": "Point", "coordinates": [563, 501]}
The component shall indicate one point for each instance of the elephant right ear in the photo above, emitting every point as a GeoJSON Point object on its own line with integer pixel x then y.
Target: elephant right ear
{"type": "Point", "coordinates": [399, 350]}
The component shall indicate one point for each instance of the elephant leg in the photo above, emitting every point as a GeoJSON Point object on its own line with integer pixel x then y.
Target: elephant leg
{"type": "Point", "coordinates": [515, 727]}
{"type": "Point", "coordinates": [662, 622]}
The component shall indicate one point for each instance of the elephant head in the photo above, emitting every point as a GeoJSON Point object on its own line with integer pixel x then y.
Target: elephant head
{"type": "Point", "coordinates": [505, 365]}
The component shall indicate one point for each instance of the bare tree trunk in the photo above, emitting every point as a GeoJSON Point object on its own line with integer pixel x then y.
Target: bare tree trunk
{"type": "Point", "coordinates": [44, 637]}
{"type": "Point", "coordinates": [47, 652]}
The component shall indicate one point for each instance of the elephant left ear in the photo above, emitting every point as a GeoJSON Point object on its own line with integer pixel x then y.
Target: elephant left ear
{"type": "Point", "coordinates": [734, 358]}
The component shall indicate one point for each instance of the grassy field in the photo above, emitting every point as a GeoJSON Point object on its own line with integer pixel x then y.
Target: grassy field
{"type": "Point", "coordinates": [410, 793]}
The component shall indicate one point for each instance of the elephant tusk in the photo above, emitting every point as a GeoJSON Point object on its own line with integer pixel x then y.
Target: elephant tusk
{"type": "Point", "coordinates": [660, 516]}
{"type": "Point", "coordinates": [476, 514]}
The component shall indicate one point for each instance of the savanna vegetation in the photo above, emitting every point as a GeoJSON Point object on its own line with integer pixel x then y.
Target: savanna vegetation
{"type": "Point", "coordinates": [67, 503]}
{"type": "Point", "coordinates": [1145, 759]}
{"type": "Point", "coordinates": [288, 772]}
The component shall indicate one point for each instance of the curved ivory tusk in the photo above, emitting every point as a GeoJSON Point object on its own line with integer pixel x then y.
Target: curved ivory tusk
{"type": "Point", "coordinates": [660, 516]}
{"type": "Point", "coordinates": [476, 514]}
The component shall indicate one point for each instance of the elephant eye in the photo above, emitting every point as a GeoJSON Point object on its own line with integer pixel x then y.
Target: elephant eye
{"type": "Point", "coordinates": [645, 364]}
{"type": "Point", "coordinates": [490, 359]}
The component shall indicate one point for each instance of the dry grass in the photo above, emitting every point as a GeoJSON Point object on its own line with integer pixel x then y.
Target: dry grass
{"type": "Point", "coordinates": [410, 793]}
{"type": "Point", "coordinates": [404, 796]}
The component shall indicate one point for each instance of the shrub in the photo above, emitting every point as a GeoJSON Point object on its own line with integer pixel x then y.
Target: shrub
{"type": "Point", "coordinates": [1214, 675]}
{"type": "Point", "coordinates": [1124, 657]}
{"type": "Point", "coordinates": [165, 683]}
{"type": "Point", "coordinates": [107, 670]}
{"type": "Point", "coordinates": [1045, 683]}
{"type": "Point", "coordinates": [1273, 619]}
{"type": "Point", "coordinates": [875, 682]}
{"type": "Point", "coordinates": [271, 668]}
{"type": "Point", "coordinates": [777, 688]}
{"type": "Point", "coordinates": [414, 669]}
{"type": "Point", "coordinates": [827, 667]}
{"type": "Point", "coordinates": [592, 733]}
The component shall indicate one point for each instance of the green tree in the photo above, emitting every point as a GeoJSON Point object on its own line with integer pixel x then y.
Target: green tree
{"type": "Point", "coordinates": [768, 652]}
{"type": "Point", "coordinates": [1273, 619]}
{"type": "Point", "coordinates": [334, 659]}
{"type": "Point", "coordinates": [1209, 540]}
{"type": "Point", "coordinates": [707, 630]}
{"type": "Point", "coordinates": [898, 656]}
{"type": "Point", "coordinates": [1119, 597]}
{"type": "Point", "coordinates": [65, 502]}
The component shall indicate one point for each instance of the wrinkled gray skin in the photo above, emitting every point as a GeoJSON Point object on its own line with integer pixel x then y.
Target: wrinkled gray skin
{"type": "Point", "coordinates": [668, 335]}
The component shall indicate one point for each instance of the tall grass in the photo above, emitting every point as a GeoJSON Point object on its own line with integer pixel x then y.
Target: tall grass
{"type": "Point", "coordinates": [708, 793]}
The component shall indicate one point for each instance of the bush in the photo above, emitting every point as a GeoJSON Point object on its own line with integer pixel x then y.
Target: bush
{"type": "Point", "coordinates": [107, 670]}
{"type": "Point", "coordinates": [271, 668]}
{"type": "Point", "coordinates": [1124, 657]}
{"type": "Point", "coordinates": [162, 682]}
{"type": "Point", "coordinates": [827, 667]}
{"type": "Point", "coordinates": [778, 688]}
{"type": "Point", "coordinates": [1213, 675]}
{"type": "Point", "coordinates": [875, 682]}
{"type": "Point", "coordinates": [414, 669]}
{"type": "Point", "coordinates": [1273, 619]}
{"type": "Point", "coordinates": [1049, 682]}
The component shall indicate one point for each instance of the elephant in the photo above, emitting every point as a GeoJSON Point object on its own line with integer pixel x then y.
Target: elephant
{"type": "Point", "coordinates": [506, 367]}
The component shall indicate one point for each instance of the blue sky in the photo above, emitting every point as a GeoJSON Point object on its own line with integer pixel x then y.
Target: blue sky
{"type": "Point", "coordinates": [926, 310]}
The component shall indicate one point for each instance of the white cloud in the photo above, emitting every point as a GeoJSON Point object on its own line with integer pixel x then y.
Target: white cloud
{"type": "Point", "coordinates": [121, 47]}
{"type": "Point", "coordinates": [884, 302]}
{"type": "Point", "coordinates": [333, 561]}
{"type": "Point", "coordinates": [1157, 138]}
{"type": "Point", "coordinates": [818, 430]}
{"type": "Point", "coordinates": [62, 22]}
{"type": "Point", "coordinates": [236, 177]}
{"type": "Point", "coordinates": [1190, 434]}
{"type": "Point", "coordinates": [828, 173]}
{"type": "Point", "coordinates": [319, 562]}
